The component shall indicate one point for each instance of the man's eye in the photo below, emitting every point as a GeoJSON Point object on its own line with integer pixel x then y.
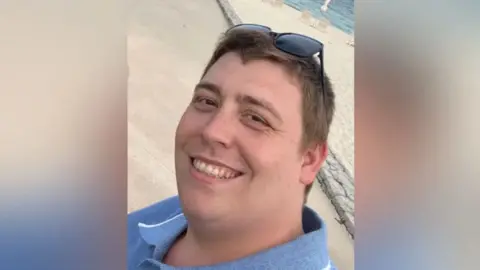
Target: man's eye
{"type": "Point", "coordinates": [209, 102]}
{"type": "Point", "coordinates": [257, 119]}
{"type": "Point", "coordinates": [204, 102]}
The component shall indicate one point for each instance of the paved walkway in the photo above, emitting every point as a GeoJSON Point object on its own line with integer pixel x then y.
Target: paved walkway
{"type": "Point", "coordinates": [169, 43]}
{"type": "Point", "coordinates": [168, 46]}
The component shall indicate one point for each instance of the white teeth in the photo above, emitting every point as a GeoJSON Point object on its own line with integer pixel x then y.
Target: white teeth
{"type": "Point", "coordinates": [201, 165]}
{"type": "Point", "coordinates": [209, 169]}
{"type": "Point", "coordinates": [213, 170]}
{"type": "Point", "coordinates": [221, 173]}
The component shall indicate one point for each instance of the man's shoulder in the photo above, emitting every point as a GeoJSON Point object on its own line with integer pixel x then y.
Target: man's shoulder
{"type": "Point", "coordinates": [155, 213]}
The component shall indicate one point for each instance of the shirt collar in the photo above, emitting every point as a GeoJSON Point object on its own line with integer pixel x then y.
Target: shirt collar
{"type": "Point", "coordinates": [163, 232]}
{"type": "Point", "coordinates": [313, 243]}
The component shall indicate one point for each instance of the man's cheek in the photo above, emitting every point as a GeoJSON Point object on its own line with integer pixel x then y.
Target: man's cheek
{"type": "Point", "coordinates": [191, 122]}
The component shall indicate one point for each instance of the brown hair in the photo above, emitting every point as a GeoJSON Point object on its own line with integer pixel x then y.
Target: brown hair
{"type": "Point", "coordinates": [317, 111]}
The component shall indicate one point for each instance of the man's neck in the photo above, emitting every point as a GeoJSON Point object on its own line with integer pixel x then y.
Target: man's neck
{"type": "Point", "coordinates": [203, 245]}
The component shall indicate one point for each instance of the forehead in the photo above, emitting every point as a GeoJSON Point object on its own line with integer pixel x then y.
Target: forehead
{"type": "Point", "coordinates": [258, 78]}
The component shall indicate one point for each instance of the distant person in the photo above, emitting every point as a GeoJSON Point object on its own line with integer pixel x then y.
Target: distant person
{"type": "Point", "coordinates": [324, 8]}
{"type": "Point", "coordinates": [247, 150]}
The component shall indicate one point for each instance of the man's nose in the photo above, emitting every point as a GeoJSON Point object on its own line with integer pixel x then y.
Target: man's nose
{"type": "Point", "coordinates": [220, 129]}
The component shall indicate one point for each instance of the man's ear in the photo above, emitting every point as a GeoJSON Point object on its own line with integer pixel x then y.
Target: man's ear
{"type": "Point", "coordinates": [313, 159]}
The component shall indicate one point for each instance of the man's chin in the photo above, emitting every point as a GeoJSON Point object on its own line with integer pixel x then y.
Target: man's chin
{"type": "Point", "coordinates": [199, 205]}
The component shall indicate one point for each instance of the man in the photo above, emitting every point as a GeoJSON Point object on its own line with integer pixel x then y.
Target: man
{"type": "Point", "coordinates": [247, 150]}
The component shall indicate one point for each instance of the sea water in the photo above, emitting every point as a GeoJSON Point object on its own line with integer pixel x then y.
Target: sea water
{"type": "Point", "coordinates": [340, 13]}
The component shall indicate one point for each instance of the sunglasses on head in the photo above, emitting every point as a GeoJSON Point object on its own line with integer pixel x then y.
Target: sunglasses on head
{"type": "Point", "coordinates": [294, 44]}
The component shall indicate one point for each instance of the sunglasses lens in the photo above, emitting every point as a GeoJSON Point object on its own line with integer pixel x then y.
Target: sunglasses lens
{"type": "Point", "coordinates": [250, 27]}
{"type": "Point", "coordinates": [301, 46]}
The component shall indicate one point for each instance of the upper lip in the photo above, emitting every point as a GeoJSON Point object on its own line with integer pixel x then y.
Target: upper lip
{"type": "Point", "coordinates": [214, 162]}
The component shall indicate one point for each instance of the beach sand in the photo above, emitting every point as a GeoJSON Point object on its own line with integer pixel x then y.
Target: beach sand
{"type": "Point", "coordinates": [169, 43]}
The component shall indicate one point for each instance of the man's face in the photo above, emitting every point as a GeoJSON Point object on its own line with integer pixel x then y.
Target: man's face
{"type": "Point", "coordinates": [237, 144]}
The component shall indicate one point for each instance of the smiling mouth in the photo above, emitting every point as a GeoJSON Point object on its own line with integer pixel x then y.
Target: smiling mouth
{"type": "Point", "coordinates": [212, 170]}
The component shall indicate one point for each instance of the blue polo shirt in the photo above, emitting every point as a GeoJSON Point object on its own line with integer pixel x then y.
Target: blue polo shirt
{"type": "Point", "coordinates": [152, 231]}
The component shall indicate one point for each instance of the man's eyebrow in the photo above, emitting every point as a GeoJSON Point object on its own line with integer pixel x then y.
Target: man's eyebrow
{"type": "Point", "coordinates": [209, 87]}
{"type": "Point", "coordinates": [261, 103]}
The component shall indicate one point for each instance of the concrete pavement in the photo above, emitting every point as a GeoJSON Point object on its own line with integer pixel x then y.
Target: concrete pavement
{"type": "Point", "coordinates": [168, 46]}
{"type": "Point", "coordinates": [169, 42]}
